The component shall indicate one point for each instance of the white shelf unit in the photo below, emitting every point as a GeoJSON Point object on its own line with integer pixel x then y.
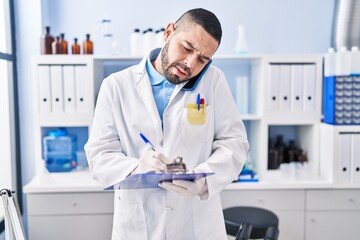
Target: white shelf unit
{"type": "Point", "coordinates": [340, 153]}
{"type": "Point", "coordinates": [268, 76]}
{"type": "Point", "coordinates": [284, 91]}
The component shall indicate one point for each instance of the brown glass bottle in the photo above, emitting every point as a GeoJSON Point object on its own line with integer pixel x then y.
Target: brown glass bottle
{"type": "Point", "coordinates": [88, 45]}
{"type": "Point", "coordinates": [45, 41]}
{"type": "Point", "coordinates": [63, 44]}
{"type": "Point", "coordinates": [55, 46]}
{"type": "Point", "coordinates": [75, 48]}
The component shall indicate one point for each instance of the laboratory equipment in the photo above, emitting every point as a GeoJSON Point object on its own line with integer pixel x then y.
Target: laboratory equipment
{"type": "Point", "coordinates": [88, 46]}
{"type": "Point", "coordinates": [75, 47]}
{"type": "Point", "coordinates": [46, 40]}
{"type": "Point", "coordinates": [241, 46]}
{"type": "Point", "coordinates": [63, 44]}
{"type": "Point", "coordinates": [59, 151]}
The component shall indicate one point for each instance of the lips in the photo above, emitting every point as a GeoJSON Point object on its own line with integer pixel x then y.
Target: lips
{"type": "Point", "coordinates": [180, 72]}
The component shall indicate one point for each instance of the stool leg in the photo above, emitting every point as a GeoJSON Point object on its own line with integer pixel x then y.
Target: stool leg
{"type": "Point", "coordinates": [272, 233]}
{"type": "Point", "coordinates": [244, 231]}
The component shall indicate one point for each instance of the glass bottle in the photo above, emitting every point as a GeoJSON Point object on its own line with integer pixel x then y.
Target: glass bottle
{"type": "Point", "coordinates": [63, 44]}
{"type": "Point", "coordinates": [75, 48]}
{"type": "Point", "coordinates": [88, 45]}
{"type": "Point", "coordinates": [55, 46]}
{"type": "Point", "coordinates": [46, 40]}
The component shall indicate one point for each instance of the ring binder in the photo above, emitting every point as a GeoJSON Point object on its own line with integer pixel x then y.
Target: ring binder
{"type": "Point", "coordinates": [13, 225]}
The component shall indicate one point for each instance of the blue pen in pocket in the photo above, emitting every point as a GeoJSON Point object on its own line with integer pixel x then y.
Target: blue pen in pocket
{"type": "Point", "coordinates": [198, 101]}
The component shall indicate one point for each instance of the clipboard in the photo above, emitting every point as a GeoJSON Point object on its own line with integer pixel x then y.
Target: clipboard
{"type": "Point", "coordinates": [151, 180]}
{"type": "Point", "coordinates": [13, 224]}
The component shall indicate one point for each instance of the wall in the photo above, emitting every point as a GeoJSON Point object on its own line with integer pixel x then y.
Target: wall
{"type": "Point", "coordinates": [272, 27]}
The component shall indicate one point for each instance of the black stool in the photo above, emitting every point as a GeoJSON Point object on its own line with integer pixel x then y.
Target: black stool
{"type": "Point", "coordinates": [263, 222]}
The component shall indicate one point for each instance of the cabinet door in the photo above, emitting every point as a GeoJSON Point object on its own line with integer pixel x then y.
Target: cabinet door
{"type": "Point", "coordinates": [332, 225]}
{"type": "Point", "coordinates": [70, 227]}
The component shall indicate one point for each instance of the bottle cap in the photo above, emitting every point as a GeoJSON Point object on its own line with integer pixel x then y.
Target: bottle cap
{"type": "Point", "coordinates": [57, 133]}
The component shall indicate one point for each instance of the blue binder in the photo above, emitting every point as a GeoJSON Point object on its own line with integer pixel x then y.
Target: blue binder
{"type": "Point", "coordinates": [151, 180]}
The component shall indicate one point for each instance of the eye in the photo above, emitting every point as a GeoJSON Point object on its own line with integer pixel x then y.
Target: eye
{"type": "Point", "coordinates": [201, 60]}
{"type": "Point", "coordinates": [186, 49]}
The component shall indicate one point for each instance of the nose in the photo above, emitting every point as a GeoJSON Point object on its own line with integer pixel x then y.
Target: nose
{"type": "Point", "coordinates": [190, 61]}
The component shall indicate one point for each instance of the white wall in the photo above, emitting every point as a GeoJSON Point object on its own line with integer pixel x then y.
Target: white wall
{"type": "Point", "coordinates": [272, 26]}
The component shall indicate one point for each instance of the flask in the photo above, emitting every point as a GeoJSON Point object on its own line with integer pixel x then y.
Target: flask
{"type": "Point", "coordinates": [63, 44]}
{"type": "Point", "coordinates": [241, 44]}
{"type": "Point", "coordinates": [88, 45]}
{"type": "Point", "coordinates": [55, 46]}
{"type": "Point", "coordinates": [46, 41]}
{"type": "Point", "coordinates": [136, 43]}
{"type": "Point", "coordinates": [75, 48]}
{"type": "Point", "coordinates": [59, 151]}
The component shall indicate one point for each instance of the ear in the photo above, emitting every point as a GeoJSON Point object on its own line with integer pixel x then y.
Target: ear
{"type": "Point", "coordinates": [169, 31]}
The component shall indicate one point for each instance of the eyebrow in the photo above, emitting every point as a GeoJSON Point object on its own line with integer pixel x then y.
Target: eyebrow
{"type": "Point", "coordinates": [192, 46]}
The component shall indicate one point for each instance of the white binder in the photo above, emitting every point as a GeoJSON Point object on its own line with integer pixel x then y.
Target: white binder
{"type": "Point", "coordinates": [309, 87]}
{"type": "Point", "coordinates": [344, 156]}
{"type": "Point", "coordinates": [69, 88]}
{"type": "Point", "coordinates": [355, 158]}
{"type": "Point", "coordinates": [273, 99]}
{"type": "Point", "coordinates": [13, 225]}
{"type": "Point", "coordinates": [44, 89]}
{"type": "Point", "coordinates": [82, 90]}
{"type": "Point", "coordinates": [57, 97]}
{"type": "Point", "coordinates": [297, 87]}
{"type": "Point", "coordinates": [285, 87]}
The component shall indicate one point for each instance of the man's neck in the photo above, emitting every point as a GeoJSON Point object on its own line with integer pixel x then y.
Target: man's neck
{"type": "Point", "coordinates": [157, 64]}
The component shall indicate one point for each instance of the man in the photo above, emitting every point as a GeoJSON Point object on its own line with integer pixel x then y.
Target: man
{"type": "Point", "coordinates": [185, 108]}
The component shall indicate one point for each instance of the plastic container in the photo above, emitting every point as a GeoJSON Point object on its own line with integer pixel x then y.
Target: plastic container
{"type": "Point", "coordinates": [136, 43]}
{"type": "Point", "coordinates": [59, 151]}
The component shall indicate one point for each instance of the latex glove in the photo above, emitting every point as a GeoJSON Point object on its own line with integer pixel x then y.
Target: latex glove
{"type": "Point", "coordinates": [151, 161]}
{"type": "Point", "coordinates": [186, 188]}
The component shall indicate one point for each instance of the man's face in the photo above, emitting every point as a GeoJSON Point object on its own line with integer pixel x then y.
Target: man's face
{"type": "Point", "coordinates": [186, 53]}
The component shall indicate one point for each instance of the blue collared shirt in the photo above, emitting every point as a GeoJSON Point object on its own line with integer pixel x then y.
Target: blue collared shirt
{"type": "Point", "coordinates": [161, 87]}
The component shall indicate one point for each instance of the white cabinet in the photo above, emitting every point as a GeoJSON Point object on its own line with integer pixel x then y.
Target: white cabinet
{"type": "Point", "coordinates": [288, 205]}
{"type": "Point", "coordinates": [66, 215]}
{"type": "Point", "coordinates": [332, 214]}
{"type": "Point", "coordinates": [340, 153]}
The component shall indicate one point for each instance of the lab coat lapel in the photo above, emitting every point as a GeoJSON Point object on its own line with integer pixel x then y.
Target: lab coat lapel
{"type": "Point", "coordinates": [143, 87]}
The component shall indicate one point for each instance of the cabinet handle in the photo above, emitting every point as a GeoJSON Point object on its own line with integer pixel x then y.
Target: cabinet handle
{"type": "Point", "coordinates": [312, 220]}
{"type": "Point", "coordinates": [260, 201]}
{"type": "Point", "coordinates": [351, 200]}
{"type": "Point", "coordinates": [74, 204]}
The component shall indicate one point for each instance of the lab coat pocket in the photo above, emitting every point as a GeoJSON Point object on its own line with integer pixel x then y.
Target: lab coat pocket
{"type": "Point", "coordinates": [194, 124]}
{"type": "Point", "coordinates": [129, 221]}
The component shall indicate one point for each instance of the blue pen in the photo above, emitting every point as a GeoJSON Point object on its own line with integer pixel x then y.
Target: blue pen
{"type": "Point", "coordinates": [147, 142]}
{"type": "Point", "coordinates": [198, 101]}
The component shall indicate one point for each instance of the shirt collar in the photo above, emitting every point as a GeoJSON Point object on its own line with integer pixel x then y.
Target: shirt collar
{"type": "Point", "coordinates": [155, 76]}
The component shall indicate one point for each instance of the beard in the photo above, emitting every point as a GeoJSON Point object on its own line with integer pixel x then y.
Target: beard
{"type": "Point", "coordinates": [174, 79]}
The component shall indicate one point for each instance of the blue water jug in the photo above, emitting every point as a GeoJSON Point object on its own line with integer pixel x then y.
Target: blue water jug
{"type": "Point", "coordinates": [59, 151]}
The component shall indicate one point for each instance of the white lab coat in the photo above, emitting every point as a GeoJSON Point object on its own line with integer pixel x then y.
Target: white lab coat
{"type": "Point", "coordinates": [125, 107]}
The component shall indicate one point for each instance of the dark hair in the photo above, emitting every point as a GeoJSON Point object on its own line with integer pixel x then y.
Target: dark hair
{"type": "Point", "coordinates": [205, 19]}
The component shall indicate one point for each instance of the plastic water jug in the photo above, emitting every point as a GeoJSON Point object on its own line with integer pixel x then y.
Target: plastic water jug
{"type": "Point", "coordinates": [59, 151]}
